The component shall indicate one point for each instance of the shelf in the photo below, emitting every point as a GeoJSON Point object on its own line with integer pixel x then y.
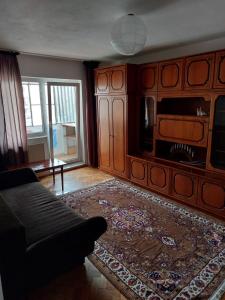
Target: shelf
{"type": "Point", "coordinates": [184, 117]}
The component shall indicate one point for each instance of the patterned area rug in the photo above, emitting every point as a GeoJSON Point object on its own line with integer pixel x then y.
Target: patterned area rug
{"type": "Point", "coordinates": [153, 248]}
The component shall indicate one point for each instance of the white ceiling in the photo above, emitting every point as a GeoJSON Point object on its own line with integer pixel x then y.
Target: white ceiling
{"type": "Point", "coordinates": [81, 28]}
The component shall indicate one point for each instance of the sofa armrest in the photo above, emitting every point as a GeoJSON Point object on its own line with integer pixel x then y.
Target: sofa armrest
{"type": "Point", "coordinates": [9, 179]}
{"type": "Point", "coordinates": [85, 232]}
{"type": "Point", "coordinates": [12, 254]}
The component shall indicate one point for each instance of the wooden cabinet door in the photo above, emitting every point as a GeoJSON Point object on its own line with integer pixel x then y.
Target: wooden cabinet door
{"type": "Point", "coordinates": [104, 132]}
{"type": "Point", "coordinates": [102, 81]}
{"type": "Point", "coordinates": [118, 116]}
{"type": "Point", "coordinates": [170, 75]}
{"type": "Point", "coordinates": [211, 195]}
{"type": "Point", "coordinates": [184, 187]}
{"type": "Point", "coordinates": [183, 129]}
{"type": "Point", "coordinates": [138, 171]}
{"type": "Point", "coordinates": [199, 72]}
{"type": "Point", "coordinates": [158, 178]}
{"type": "Point", "coordinates": [219, 74]}
{"type": "Point", "coordinates": [147, 78]}
{"type": "Point", "coordinates": [118, 80]}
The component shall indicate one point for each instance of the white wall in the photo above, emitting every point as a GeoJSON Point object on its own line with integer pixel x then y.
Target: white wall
{"type": "Point", "coordinates": [40, 66]}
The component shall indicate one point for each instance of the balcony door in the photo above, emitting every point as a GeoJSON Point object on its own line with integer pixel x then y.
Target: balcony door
{"type": "Point", "coordinates": [63, 117]}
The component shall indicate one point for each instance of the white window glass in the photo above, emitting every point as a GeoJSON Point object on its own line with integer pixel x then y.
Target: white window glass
{"type": "Point", "coordinates": [33, 110]}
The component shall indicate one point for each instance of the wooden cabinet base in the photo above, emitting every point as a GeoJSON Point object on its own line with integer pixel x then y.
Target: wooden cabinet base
{"type": "Point", "coordinates": [200, 191]}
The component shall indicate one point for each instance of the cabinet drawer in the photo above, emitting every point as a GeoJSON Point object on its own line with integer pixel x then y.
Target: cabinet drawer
{"type": "Point", "coordinates": [199, 72]}
{"type": "Point", "coordinates": [212, 195]}
{"type": "Point", "coordinates": [147, 78]}
{"type": "Point", "coordinates": [189, 130]}
{"type": "Point", "coordinates": [170, 75]}
{"type": "Point", "coordinates": [184, 187]}
{"type": "Point", "coordinates": [158, 178]}
{"type": "Point", "coordinates": [219, 75]}
{"type": "Point", "coordinates": [138, 171]}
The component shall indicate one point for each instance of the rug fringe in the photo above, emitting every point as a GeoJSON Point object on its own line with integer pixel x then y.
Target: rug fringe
{"type": "Point", "coordinates": [219, 292]}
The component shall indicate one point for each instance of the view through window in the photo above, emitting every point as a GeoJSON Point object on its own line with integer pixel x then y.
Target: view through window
{"type": "Point", "coordinates": [61, 129]}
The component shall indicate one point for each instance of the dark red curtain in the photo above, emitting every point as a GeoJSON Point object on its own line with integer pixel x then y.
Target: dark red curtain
{"type": "Point", "coordinates": [13, 137]}
{"type": "Point", "coordinates": [91, 113]}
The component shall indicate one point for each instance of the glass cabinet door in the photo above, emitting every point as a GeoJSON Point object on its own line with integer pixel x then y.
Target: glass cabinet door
{"type": "Point", "coordinates": [147, 124]}
{"type": "Point", "coordinates": [218, 134]}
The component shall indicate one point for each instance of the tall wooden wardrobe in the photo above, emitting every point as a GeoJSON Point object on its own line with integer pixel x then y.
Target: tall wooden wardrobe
{"type": "Point", "coordinates": [115, 87]}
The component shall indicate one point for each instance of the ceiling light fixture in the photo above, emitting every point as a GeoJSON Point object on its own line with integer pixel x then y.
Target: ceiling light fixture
{"type": "Point", "coordinates": [128, 35]}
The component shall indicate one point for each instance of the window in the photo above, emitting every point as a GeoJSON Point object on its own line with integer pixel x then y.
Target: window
{"type": "Point", "coordinates": [63, 133]}
{"type": "Point", "coordinates": [33, 107]}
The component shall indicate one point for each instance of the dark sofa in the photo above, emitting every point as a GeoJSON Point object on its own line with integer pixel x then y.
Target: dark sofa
{"type": "Point", "coordinates": [40, 237]}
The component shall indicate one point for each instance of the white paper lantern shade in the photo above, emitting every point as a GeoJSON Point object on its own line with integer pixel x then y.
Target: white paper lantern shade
{"type": "Point", "coordinates": [128, 35]}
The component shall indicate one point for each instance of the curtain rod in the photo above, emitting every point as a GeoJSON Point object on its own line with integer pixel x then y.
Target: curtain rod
{"type": "Point", "coordinates": [10, 52]}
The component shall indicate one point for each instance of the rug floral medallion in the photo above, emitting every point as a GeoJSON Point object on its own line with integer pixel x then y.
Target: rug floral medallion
{"type": "Point", "coordinates": [153, 248]}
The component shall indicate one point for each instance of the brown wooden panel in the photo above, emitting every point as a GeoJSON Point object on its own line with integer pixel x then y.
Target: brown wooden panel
{"type": "Point", "coordinates": [191, 130]}
{"type": "Point", "coordinates": [199, 72]}
{"type": "Point", "coordinates": [211, 195]}
{"type": "Point", "coordinates": [158, 178]}
{"type": "Point", "coordinates": [170, 75]}
{"type": "Point", "coordinates": [104, 132]}
{"type": "Point", "coordinates": [119, 134]}
{"type": "Point", "coordinates": [102, 81]}
{"type": "Point", "coordinates": [117, 79]}
{"type": "Point", "coordinates": [147, 78]}
{"type": "Point", "coordinates": [138, 171]}
{"type": "Point", "coordinates": [184, 187]}
{"type": "Point", "coordinates": [219, 75]}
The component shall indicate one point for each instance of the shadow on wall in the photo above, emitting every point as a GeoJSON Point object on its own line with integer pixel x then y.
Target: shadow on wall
{"type": "Point", "coordinates": [12, 158]}
{"type": "Point", "coordinates": [1, 293]}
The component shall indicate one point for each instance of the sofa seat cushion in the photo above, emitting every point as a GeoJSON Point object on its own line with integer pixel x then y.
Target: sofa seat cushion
{"type": "Point", "coordinates": [39, 211]}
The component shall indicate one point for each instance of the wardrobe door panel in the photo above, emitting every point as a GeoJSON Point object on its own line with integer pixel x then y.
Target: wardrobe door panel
{"type": "Point", "coordinates": [119, 135]}
{"type": "Point", "coordinates": [104, 135]}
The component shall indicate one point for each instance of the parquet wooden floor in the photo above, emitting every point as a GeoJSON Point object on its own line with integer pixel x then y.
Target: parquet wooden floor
{"type": "Point", "coordinates": [84, 282]}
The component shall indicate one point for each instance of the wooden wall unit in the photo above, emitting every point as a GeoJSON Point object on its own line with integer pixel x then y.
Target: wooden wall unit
{"type": "Point", "coordinates": [163, 127]}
